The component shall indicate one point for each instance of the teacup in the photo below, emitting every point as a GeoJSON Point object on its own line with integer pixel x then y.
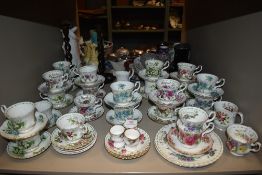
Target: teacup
{"type": "Point", "coordinates": [154, 67]}
{"type": "Point", "coordinates": [88, 73]}
{"type": "Point", "coordinates": [130, 124]}
{"type": "Point", "coordinates": [187, 71]}
{"type": "Point", "coordinates": [242, 140]}
{"type": "Point", "coordinates": [55, 78]}
{"type": "Point", "coordinates": [208, 82]}
{"type": "Point", "coordinates": [64, 66]}
{"type": "Point", "coordinates": [226, 113]}
{"type": "Point", "coordinates": [124, 75]}
{"type": "Point", "coordinates": [191, 136]}
{"type": "Point", "coordinates": [131, 137]}
{"type": "Point", "coordinates": [30, 144]}
{"type": "Point", "coordinates": [21, 116]}
{"type": "Point", "coordinates": [195, 117]}
{"type": "Point", "coordinates": [55, 96]}
{"type": "Point", "coordinates": [123, 113]}
{"type": "Point", "coordinates": [169, 87]}
{"type": "Point", "coordinates": [72, 126]}
{"type": "Point", "coordinates": [206, 103]}
{"type": "Point", "coordinates": [87, 104]}
{"type": "Point", "coordinates": [93, 89]}
{"type": "Point", "coordinates": [116, 133]}
{"type": "Point", "coordinates": [123, 90]}
{"type": "Point", "coordinates": [45, 107]}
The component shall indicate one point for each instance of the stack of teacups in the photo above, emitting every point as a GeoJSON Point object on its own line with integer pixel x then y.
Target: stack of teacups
{"type": "Point", "coordinates": [123, 97]}
{"type": "Point", "coordinates": [64, 66]}
{"type": "Point", "coordinates": [89, 80]}
{"type": "Point", "coordinates": [22, 126]}
{"type": "Point", "coordinates": [206, 90]}
{"type": "Point", "coordinates": [193, 127]}
{"type": "Point", "coordinates": [187, 71]}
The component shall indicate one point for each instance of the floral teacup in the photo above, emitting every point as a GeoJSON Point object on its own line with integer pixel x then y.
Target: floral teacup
{"type": "Point", "coordinates": [208, 82]}
{"type": "Point", "coordinates": [116, 133]}
{"type": "Point", "coordinates": [124, 75]}
{"type": "Point", "coordinates": [30, 144]}
{"type": "Point", "coordinates": [131, 137]}
{"type": "Point", "coordinates": [88, 73]}
{"type": "Point", "coordinates": [55, 78]}
{"type": "Point", "coordinates": [123, 113]}
{"type": "Point", "coordinates": [56, 96]}
{"type": "Point", "coordinates": [169, 87]}
{"type": "Point", "coordinates": [242, 140]}
{"type": "Point", "coordinates": [187, 71]}
{"type": "Point", "coordinates": [64, 66]}
{"type": "Point", "coordinates": [87, 104]}
{"type": "Point", "coordinates": [154, 67]}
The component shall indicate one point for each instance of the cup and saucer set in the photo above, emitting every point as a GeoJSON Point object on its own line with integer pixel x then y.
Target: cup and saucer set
{"type": "Point", "coordinates": [124, 99]}
{"type": "Point", "coordinates": [89, 106]}
{"type": "Point", "coordinates": [127, 141]}
{"type": "Point", "coordinates": [154, 70]}
{"type": "Point", "coordinates": [168, 95]}
{"type": "Point", "coordinates": [89, 81]}
{"type": "Point", "coordinates": [73, 135]}
{"type": "Point", "coordinates": [190, 142]}
{"type": "Point", "coordinates": [56, 93]}
{"type": "Point", "coordinates": [23, 128]}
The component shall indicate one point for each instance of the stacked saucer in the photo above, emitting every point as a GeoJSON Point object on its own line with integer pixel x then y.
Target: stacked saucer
{"type": "Point", "coordinates": [73, 135]}
{"type": "Point", "coordinates": [22, 128]}
{"type": "Point", "coordinates": [168, 95]}
{"type": "Point", "coordinates": [128, 141]}
{"type": "Point", "coordinates": [124, 99]}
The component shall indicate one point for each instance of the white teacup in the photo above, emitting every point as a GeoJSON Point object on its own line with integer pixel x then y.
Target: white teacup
{"type": "Point", "coordinates": [21, 115]}
{"type": "Point", "coordinates": [30, 144]}
{"type": "Point", "coordinates": [87, 104]}
{"type": "Point", "coordinates": [64, 66]}
{"type": "Point", "coordinates": [123, 90]}
{"type": "Point", "coordinates": [122, 113]}
{"type": "Point", "coordinates": [72, 126]}
{"type": "Point", "coordinates": [88, 73]}
{"type": "Point", "coordinates": [55, 78]}
{"type": "Point", "coordinates": [242, 140]}
{"type": "Point", "coordinates": [169, 87]}
{"type": "Point", "coordinates": [93, 90]}
{"type": "Point", "coordinates": [208, 82]}
{"type": "Point", "coordinates": [154, 67]}
{"type": "Point", "coordinates": [116, 133]}
{"type": "Point", "coordinates": [124, 75]}
{"type": "Point", "coordinates": [131, 137]}
{"type": "Point", "coordinates": [45, 107]}
{"type": "Point", "coordinates": [55, 96]}
{"type": "Point", "coordinates": [187, 71]}
{"type": "Point", "coordinates": [226, 113]}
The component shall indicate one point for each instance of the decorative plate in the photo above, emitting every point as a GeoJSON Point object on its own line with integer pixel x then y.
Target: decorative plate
{"type": "Point", "coordinates": [11, 134]}
{"type": "Point", "coordinates": [68, 100]}
{"type": "Point", "coordinates": [110, 117]}
{"type": "Point", "coordinates": [88, 118]}
{"type": "Point", "coordinates": [174, 75]}
{"type": "Point", "coordinates": [153, 114]}
{"type": "Point", "coordinates": [173, 156]}
{"type": "Point", "coordinates": [52, 120]}
{"type": "Point", "coordinates": [100, 94]}
{"type": "Point", "coordinates": [100, 80]}
{"type": "Point", "coordinates": [17, 152]}
{"type": "Point", "coordinates": [125, 153]}
{"type": "Point", "coordinates": [192, 88]}
{"type": "Point", "coordinates": [142, 74]}
{"type": "Point", "coordinates": [109, 100]}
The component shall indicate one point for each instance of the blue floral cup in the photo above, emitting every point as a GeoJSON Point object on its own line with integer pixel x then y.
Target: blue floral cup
{"type": "Point", "coordinates": [206, 83]}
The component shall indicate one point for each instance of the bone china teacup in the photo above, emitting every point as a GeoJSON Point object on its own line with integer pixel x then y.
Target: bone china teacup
{"type": "Point", "coordinates": [208, 82]}
{"type": "Point", "coordinates": [226, 113]}
{"type": "Point", "coordinates": [124, 75]}
{"type": "Point", "coordinates": [72, 126]}
{"type": "Point", "coordinates": [55, 78]}
{"type": "Point", "coordinates": [154, 67]}
{"type": "Point", "coordinates": [116, 133]}
{"type": "Point", "coordinates": [242, 140]}
{"type": "Point", "coordinates": [55, 96]}
{"type": "Point", "coordinates": [123, 91]}
{"type": "Point", "coordinates": [87, 104]}
{"type": "Point", "coordinates": [64, 66]}
{"type": "Point", "coordinates": [30, 144]}
{"type": "Point", "coordinates": [88, 73]}
{"type": "Point", "coordinates": [131, 137]}
{"type": "Point", "coordinates": [169, 86]}
{"type": "Point", "coordinates": [21, 115]}
{"type": "Point", "coordinates": [187, 71]}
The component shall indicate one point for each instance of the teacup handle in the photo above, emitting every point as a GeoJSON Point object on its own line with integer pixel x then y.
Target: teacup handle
{"type": "Point", "coordinates": [177, 110]}
{"type": "Point", "coordinates": [135, 107]}
{"type": "Point", "coordinates": [211, 116]}
{"type": "Point", "coordinates": [83, 129]}
{"type": "Point", "coordinates": [220, 83]}
{"type": "Point", "coordinates": [137, 85]}
{"type": "Point", "coordinates": [257, 146]}
{"type": "Point", "coordinates": [101, 86]}
{"type": "Point", "coordinates": [131, 72]}
{"type": "Point", "coordinates": [182, 88]}
{"type": "Point", "coordinates": [240, 114]}
{"type": "Point", "coordinates": [3, 108]}
{"type": "Point", "coordinates": [74, 71]}
{"type": "Point", "coordinates": [219, 98]}
{"type": "Point", "coordinates": [43, 97]}
{"type": "Point", "coordinates": [99, 103]}
{"type": "Point", "coordinates": [166, 65]}
{"type": "Point", "coordinates": [197, 70]}
{"type": "Point", "coordinates": [65, 77]}
{"type": "Point", "coordinates": [208, 129]}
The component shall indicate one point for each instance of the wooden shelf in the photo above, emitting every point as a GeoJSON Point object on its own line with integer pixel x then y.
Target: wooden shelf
{"type": "Point", "coordinates": [177, 4]}
{"type": "Point", "coordinates": [136, 31]}
{"type": "Point", "coordinates": [138, 7]}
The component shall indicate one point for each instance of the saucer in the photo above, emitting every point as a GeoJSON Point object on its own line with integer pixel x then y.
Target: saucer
{"type": "Point", "coordinates": [100, 94]}
{"type": "Point", "coordinates": [110, 117]}
{"type": "Point", "coordinates": [88, 118]}
{"type": "Point", "coordinates": [18, 152]}
{"type": "Point", "coordinates": [109, 100]}
{"type": "Point", "coordinates": [177, 158]}
{"type": "Point", "coordinates": [43, 89]}
{"type": "Point", "coordinates": [214, 94]}
{"type": "Point", "coordinates": [87, 141]}
{"type": "Point", "coordinates": [153, 114]}
{"type": "Point", "coordinates": [52, 121]}
{"type": "Point", "coordinates": [68, 100]}
{"type": "Point", "coordinates": [174, 75]}
{"type": "Point", "coordinates": [100, 80]}
{"type": "Point", "coordinates": [128, 152]}
{"type": "Point", "coordinates": [204, 146]}
{"type": "Point", "coordinates": [8, 133]}
{"type": "Point", "coordinates": [142, 74]}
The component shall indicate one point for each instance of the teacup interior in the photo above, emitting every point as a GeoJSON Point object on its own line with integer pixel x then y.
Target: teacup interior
{"type": "Point", "coordinates": [193, 114]}
{"type": "Point", "coordinates": [242, 133]}
{"type": "Point", "coordinates": [132, 134]}
{"type": "Point", "coordinates": [43, 105]}
{"type": "Point", "coordinates": [167, 84]}
{"type": "Point", "coordinates": [70, 121]}
{"type": "Point", "coordinates": [117, 130]}
{"type": "Point", "coordinates": [122, 86]}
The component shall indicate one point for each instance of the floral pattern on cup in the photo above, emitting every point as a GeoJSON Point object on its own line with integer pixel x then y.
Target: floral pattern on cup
{"type": "Point", "coordinates": [87, 104]}
{"type": "Point", "coordinates": [154, 67]}
{"type": "Point", "coordinates": [187, 71]}
{"type": "Point", "coordinates": [55, 78]}
{"type": "Point", "coordinates": [64, 66]}
{"type": "Point", "coordinates": [208, 82]}
{"type": "Point", "coordinates": [87, 74]}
